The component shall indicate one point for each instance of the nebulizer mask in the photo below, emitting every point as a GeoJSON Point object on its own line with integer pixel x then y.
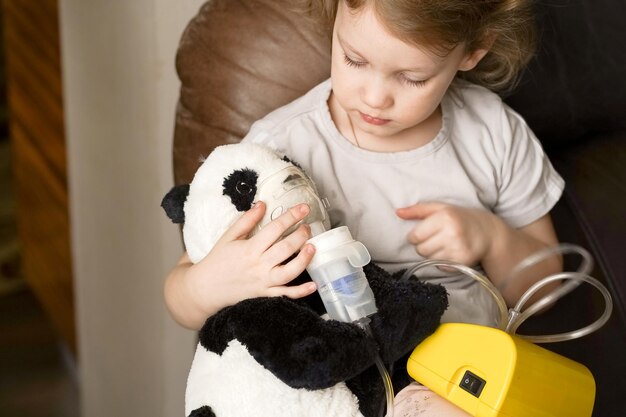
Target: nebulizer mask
{"type": "Point", "coordinates": [289, 187]}
{"type": "Point", "coordinates": [491, 372]}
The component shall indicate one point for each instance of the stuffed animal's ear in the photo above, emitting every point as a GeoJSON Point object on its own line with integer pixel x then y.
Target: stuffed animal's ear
{"type": "Point", "coordinates": [174, 202]}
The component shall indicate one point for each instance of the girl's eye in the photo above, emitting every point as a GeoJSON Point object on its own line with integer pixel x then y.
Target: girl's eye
{"type": "Point", "coordinates": [411, 82]}
{"type": "Point", "coordinates": [352, 63]}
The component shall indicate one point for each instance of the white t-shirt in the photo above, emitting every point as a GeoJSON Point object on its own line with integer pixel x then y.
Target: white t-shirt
{"type": "Point", "coordinates": [485, 156]}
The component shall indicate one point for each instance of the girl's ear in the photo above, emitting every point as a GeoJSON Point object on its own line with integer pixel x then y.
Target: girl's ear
{"type": "Point", "coordinates": [473, 58]}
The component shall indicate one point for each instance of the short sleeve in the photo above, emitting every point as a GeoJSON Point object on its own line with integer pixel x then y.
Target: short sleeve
{"type": "Point", "coordinates": [528, 186]}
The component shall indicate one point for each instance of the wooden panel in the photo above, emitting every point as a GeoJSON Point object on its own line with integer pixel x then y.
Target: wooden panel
{"type": "Point", "coordinates": [37, 133]}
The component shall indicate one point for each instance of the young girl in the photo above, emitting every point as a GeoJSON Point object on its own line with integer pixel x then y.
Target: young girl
{"type": "Point", "coordinates": [417, 157]}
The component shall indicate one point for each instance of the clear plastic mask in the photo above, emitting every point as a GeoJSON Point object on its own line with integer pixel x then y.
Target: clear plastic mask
{"type": "Point", "coordinates": [287, 188]}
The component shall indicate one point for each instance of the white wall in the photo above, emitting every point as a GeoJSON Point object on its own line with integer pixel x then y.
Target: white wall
{"type": "Point", "coordinates": [120, 92]}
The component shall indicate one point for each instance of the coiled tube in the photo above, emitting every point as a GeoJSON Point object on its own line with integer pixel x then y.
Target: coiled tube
{"type": "Point", "coordinates": [504, 314]}
{"type": "Point", "coordinates": [511, 320]}
{"type": "Point", "coordinates": [575, 279]}
{"type": "Point", "coordinates": [563, 249]}
{"type": "Point", "coordinates": [571, 280]}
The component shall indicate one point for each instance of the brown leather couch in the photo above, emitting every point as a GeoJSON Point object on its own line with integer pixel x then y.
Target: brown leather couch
{"type": "Point", "coordinates": [240, 59]}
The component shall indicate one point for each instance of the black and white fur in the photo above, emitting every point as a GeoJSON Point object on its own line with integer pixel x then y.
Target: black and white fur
{"type": "Point", "coordinates": [276, 356]}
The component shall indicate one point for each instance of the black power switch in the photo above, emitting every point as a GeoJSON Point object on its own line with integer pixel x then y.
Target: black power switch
{"type": "Point", "coordinates": [472, 383]}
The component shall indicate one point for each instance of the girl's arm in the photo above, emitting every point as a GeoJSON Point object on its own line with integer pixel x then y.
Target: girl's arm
{"type": "Point", "coordinates": [510, 246]}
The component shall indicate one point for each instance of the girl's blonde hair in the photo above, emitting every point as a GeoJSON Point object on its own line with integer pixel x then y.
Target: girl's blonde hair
{"type": "Point", "coordinates": [505, 27]}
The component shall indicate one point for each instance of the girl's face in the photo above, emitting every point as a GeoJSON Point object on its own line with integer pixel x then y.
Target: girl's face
{"type": "Point", "coordinates": [390, 90]}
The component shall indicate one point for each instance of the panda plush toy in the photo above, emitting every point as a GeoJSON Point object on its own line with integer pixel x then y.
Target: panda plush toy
{"type": "Point", "coordinates": [276, 356]}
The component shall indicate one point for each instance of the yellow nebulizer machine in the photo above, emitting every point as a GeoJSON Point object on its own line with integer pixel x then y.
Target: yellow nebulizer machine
{"type": "Point", "coordinates": [488, 372]}
{"type": "Point", "coordinates": [493, 372]}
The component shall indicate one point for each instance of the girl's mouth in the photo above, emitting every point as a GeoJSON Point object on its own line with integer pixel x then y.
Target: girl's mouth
{"type": "Point", "coordinates": [373, 120]}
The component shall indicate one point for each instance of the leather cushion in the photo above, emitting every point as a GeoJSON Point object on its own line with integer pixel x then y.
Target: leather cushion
{"type": "Point", "coordinates": [238, 60]}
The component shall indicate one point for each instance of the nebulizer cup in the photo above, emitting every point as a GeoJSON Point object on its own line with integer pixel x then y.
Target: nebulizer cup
{"type": "Point", "coordinates": [337, 270]}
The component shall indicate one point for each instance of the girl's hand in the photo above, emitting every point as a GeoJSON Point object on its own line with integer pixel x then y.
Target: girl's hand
{"type": "Point", "coordinates": [240, 267]}
{"type": "Point", "coordinates": [449, 232]}
{"type": "Point", "coordinates": [471, 236]}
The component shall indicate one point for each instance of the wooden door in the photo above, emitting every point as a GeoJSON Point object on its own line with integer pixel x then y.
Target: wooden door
{"type": "Point", "coordinates": [31, 36]}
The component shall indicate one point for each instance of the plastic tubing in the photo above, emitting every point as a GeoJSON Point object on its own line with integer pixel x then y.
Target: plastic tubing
{"type": "Point", "coordinates": [510, 320]}
{"type": "Point", "coordinates": [389, 395]}
{"type": "Point", "coordinates": [517, 318]}
{"type": "Point", "coordinates": [504, 313]}
{"type": "Point", "coordinates": [563, 249]}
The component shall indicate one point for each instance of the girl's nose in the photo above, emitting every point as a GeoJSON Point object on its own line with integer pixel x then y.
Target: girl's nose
{"type": "Point", "coordinates": [376, 94]}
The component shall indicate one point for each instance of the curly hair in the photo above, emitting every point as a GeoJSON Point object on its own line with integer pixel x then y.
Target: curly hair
{"type": "Point", "coordinates": [505, 27]}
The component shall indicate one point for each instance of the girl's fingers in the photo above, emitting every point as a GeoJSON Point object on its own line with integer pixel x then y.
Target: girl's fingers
{"type": "Point", "coordinates": [283, 274]}
{"type": "Point", "coordinates": [297, 291]}
{"type": "Point", "coordinates": [425, 250]}
{"type": "Point", "coordinates": [277, 227]}
{"type": "Point", "coordinates": [420, 210]}
{"type": "Point", "coordinates": [285, 248]}
{"type": "Point", "coordinates": [242, 227]}
{"type": "Point", "coordinates": [431, 247]}
{"type": "Point", "coordinates": [423, 231]}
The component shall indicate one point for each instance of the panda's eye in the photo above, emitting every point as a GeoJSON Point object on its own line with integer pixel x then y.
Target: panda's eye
{"type": "Point", "coordinates": [243, 188]}
{"type": "Point", "coordinates": [240, 187]}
